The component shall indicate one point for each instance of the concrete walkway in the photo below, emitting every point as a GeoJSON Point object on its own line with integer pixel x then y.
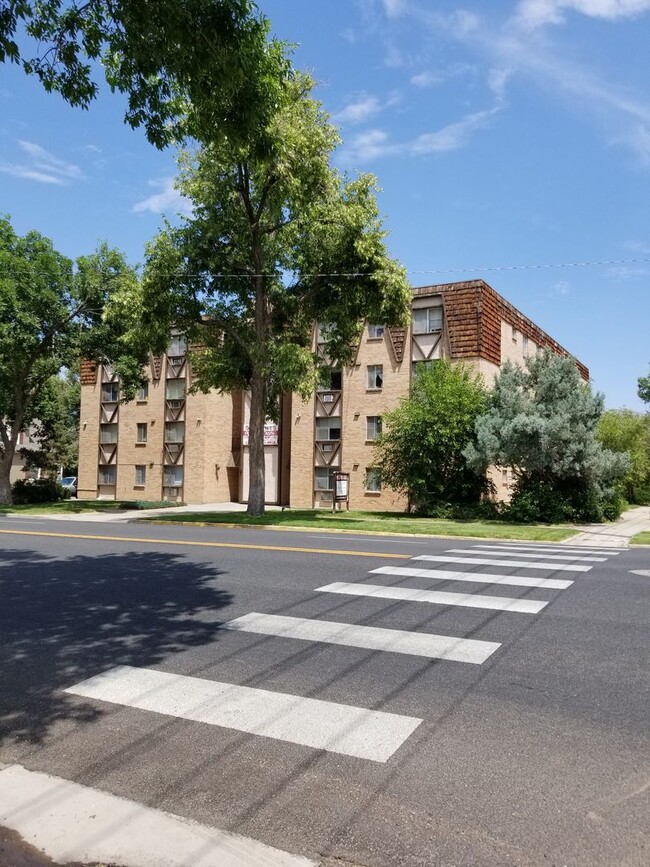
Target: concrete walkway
{"type": "Point", "coordinates": [70, 822]}
{"type": "Point", "coordinates": [616, 534]}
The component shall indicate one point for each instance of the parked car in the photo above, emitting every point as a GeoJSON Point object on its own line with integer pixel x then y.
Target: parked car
{"type": "Point", "coordinates": [70, 483]}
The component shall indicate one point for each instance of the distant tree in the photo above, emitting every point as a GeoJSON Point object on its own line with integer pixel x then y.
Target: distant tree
{"type": "Point", "coordinates": [421, 449]}
{"type": "Point", "coordinates": [56, 425]}
{"type": "Point", "coordinates": [644, 388]}
{"type": "Point", "coordinates": [275, 242]}
{"type": "Point", "coordinates": [542, 424]}
{"type": "Point", "coordinates": [628, 432]}
{"type": "Point", "coordinates": [195, 68]}
{"type": "Point", "coordinates": [51, 314]}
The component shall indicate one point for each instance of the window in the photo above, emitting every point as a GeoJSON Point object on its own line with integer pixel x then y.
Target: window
{"type": "Point", "coordinates": [426, 320]}
{"type": "Point", "coordinates": [110, 392]}
{"type": "Point", "coordinates": [373, 427]}
{"type": "Point", "coordinates": [324, 479]}
{"type": "Point", "coordinates": [375, 331]}
{"type": "Point", "coordinates": [524, 345]}
{"type": "Point", "coordinates": [323, 331]}
{"type": "Point", "coordinates": [173, 477]}
{"type": "Point", "coordinates": [143, 392]}
{"type": "Point", "coordinates": [175, 389]}
{"type": "Point", "coordinates": [514, 334]}
{"type": "Point", "coordinates": [174, 432]}
{"type": "Point", "coordinates": [373, 480]}
{"type": "Point", "coordinates": [375, 375]}
{"type": "Point", "coordinates": [140, 475]}
{"type": "Point", "coordinates": [108, 433]}
{"type": "Point", "coordinates": [177, 347]}
{"type": "Point", "coordinates": [141, 432]}
{"type": "Point", "coordinates": [107, 475]}
{"type": "Point", "coordinates": [328, 429]}
{"type": "Point", "coordinates": [331, 380]}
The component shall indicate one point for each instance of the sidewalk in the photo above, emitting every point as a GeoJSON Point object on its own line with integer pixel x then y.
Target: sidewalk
{"type": "Point", "coordinates": [616, 534]}
{"type": "Point", "coordinates": [73, 823]}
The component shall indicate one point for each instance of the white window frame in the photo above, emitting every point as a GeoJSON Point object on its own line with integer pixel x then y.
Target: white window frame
{"type": "Point", "coordinates": [432, 324]}
{"type": "Point", "coordinates": [177, 346]}
{"type": "Point", "coordinates": [106, 429]}
{"type": "Point", "coordinates": [179, 431]}
{"type": "Point", "coordinates": [373, 427]}
{"type": "Point", "coordinates": [177, 472]}
{"type": "Point", "coordinates": [375, 331]}
{"type": "Point", "coordinates": [330, 425]}
{"type": "Point", "coordinates": [524, 345]}
{"type": "Point", "coordinates": [372, 481]}
{"type": "Point", "coordinates": [140, 429]}
{"type": "Point", "coordinates": [143, 393]}
{"type": "Point", "coordinates": [107, 470]}
{"type": "Point", "coordinates": [114, 390]}
{"type": "Point", "coordinates": [375, 374]}
{"type": "Point", "coordinates": [140, 475]}
{"type": "Point", "coordinates": [327, 474]}
{"type": "Point", "coordinates": [175, 385]}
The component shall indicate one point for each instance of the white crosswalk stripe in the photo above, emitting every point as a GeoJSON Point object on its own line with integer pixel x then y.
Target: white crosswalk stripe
{"type": "Point", "coordinates": [559, 549]}
{"type": "Point", "coordinates": [324, 725]}
{"type": "Point", "coordinates": [522, 564]}
{"type": "Point", "coordinates": [475, 577]}
{"type": "Point", "coordinates": [437, 597]}
{"type": "Point", "coordinates": [487, 552]}
{"type": "Point", "coordinates": [367, 637]}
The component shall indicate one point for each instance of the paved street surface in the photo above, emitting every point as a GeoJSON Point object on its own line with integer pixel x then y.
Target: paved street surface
{"type": "Point", "coordinates": [355, 700]}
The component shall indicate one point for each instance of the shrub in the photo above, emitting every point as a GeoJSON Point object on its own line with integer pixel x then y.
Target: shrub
{"type": "Point", "coordinates": [40, 491]}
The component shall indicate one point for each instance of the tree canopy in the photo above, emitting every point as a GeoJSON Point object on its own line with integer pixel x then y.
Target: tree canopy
{"type": "Point", "coordinates": [644, 388]}
{"type": "Point", "coordinates": [52, 313]}
{"type": "Point", "coordinates": [421, 451]}
{"type": "Point", "coordinates": [541, 423]}
{"type": "Point", "coordinates": [628, 432]}
{"type": "Point", "coordinates": [188, 67]}
{"type": "Point", "coordinates": [277, 240]}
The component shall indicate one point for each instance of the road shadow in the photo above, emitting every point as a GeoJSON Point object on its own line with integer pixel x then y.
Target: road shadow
{"type": "Point", "coordinates": [66, 619]}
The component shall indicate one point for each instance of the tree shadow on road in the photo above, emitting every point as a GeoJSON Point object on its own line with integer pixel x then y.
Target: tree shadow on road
{"type": "Point", "coordinates": [64, 620]}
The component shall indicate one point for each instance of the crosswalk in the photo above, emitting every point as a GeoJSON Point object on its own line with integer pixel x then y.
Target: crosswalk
{"type": "Point", "coordinates": [344, 729]}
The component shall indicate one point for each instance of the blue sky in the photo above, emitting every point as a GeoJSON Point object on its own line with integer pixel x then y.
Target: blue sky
{"type": "Point", "coordinates": [504, 134]}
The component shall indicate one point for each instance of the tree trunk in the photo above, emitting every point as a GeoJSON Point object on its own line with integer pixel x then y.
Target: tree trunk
{"type": "Point", "coordinates": [5, 474]}
{"type": "Point", "coordinates": [257, 475]}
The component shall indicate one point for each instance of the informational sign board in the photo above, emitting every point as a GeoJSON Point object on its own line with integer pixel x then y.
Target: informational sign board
{"type": "Point", "coordinates": [271, 434]}
{"type": "Point", "coordinates": [342, 484]}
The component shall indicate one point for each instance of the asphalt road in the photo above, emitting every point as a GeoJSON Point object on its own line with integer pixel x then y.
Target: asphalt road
{"type": "Point", "coordinates": [538, 755]}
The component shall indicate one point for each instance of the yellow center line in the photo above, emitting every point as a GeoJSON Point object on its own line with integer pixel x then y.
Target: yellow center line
{"type": "Point", "coordinates": [206, 544]}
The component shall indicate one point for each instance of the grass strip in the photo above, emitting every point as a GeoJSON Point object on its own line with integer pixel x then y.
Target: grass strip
{"type": "Point", "coordinates": [641, 538]}
{"type": "Point", "coordinates": [378, 522]}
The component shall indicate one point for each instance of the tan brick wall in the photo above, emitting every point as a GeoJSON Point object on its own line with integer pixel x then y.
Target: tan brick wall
{"type": "Point", "coordinates": [88, 441]}
{"type": "Point", "coordinates": [131, 453]}
{"type": "Point", "coordinates": [301, 491]}
{"type": "Point", "coordinates": [359, 402]}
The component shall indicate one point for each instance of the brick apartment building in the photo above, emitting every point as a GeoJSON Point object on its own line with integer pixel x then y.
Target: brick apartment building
{"type": "Point", "coordinates": [170, 444]}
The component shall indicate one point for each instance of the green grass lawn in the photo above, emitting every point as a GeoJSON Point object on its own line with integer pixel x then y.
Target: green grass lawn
{"type": "Point", "coordinates": [641, 538]}
{"type": "Point", "coordinates": [379, 522]}
{"type": "Point", "coordinates": [69, 507]}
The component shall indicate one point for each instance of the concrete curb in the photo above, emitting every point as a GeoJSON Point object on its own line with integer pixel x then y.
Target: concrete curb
{"type": "Point", "coordinates": [71, 822]}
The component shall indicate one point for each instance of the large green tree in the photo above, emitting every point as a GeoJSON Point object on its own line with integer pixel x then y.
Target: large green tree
{"type": "Point", "coordinates": [51, 314]}
{"type": "Point", "coordinates": [628, 432]}
{"type": "Point", "coordinates": [276, 241]}
{"type": "Point", "coordinates": [542, 423]}
{"type": "Point", "coordinates": [56, 425]}
{"type": "Point", "coordinates": [189, 67]}
{"type": "Point", "coordinates": [421, 451]}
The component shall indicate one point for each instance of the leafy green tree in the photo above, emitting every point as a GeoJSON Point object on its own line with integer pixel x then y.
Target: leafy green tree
{"type": "Point", "coordinates": [542, 424]}
{"type": "Point", "coordinates": [628, 432]}
{"type": "Point", "coordinates": [421, 451]}
{"type": "Point", "coordinates": [56, 425]}
{"type": "Point", "coordinates": [644, 388]}
{"type": "Point", "coordinates": [189, 67]}
{"type": "Point", "coordinates": [277, 240]}
{"type": "Point", "coordinates": [51, 314]}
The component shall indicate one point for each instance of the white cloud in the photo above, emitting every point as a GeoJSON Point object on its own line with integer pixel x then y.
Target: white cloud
{"type": "Point", "coordinates": [425, 79]}
{"type": "Point", "coordinates": [367, 146]}
{"type": "Point", "coordinates": [18, 171]}
{"type": "Point", "coordinates": [361, 109]}
{"type": "Point", "coordinates": [43, 167]}
{"type": "Point", "coordinates": [166, 201]}
{"type": "Point", "coordinates": [531, 14]}
{"type": "Point", "coordinates": [453, 136]}
{"type": "Point", "coordinates": [48, 163]}
{"type": "Point", "coordinates": [394, 8]}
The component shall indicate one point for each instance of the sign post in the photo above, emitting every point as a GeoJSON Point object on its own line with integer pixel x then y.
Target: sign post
{"type": "Point", "coordinates": [341, 490]}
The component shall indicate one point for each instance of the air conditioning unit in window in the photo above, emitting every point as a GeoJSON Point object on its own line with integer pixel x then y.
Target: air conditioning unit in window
{"type": "Point", "coordinates": [327, 447]}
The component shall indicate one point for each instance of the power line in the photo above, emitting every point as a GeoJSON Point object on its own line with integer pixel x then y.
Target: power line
{"type": "Point", "coordinates": [460, 270]}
